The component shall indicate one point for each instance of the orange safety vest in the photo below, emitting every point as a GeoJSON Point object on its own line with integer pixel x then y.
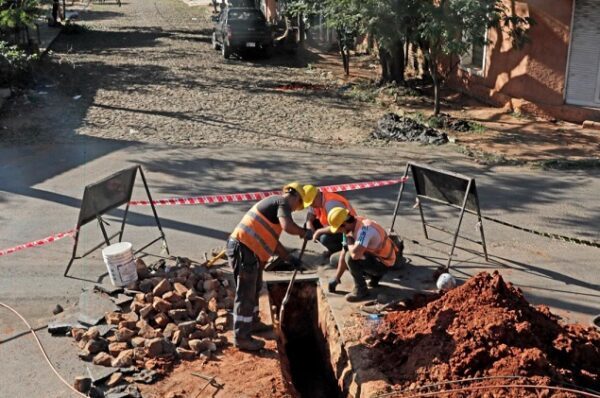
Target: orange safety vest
{"type": "Point", "coordinates": [321, 212]}
{"type": "Point", "coordinates": [258, 234]}
{"type": "Point", "coordinates": [386, 252]}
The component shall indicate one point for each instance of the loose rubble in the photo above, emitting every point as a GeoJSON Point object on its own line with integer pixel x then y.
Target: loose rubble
{"type": "Point", "coordinates": [485, 328]}
{"type": "Point", "coordinates": [446, 121]}
{"type": "Point", "coordinates": [400, 128]}
{"type": "Point", "coordinates": [178, 310]}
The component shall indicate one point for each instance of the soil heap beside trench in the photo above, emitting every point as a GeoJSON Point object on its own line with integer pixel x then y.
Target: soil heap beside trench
{"type": "Point", "coordinates": [486, 328]}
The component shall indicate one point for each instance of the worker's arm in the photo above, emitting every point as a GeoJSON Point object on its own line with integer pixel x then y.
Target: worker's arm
{"type": "Point", "coordinates": [291, 227]}
{"type": "Point", "coordinates": [341, 267]}
{"type": "Point", "coordinates": [282, 252]}
{"type": "Point", "coordinates": [357, 252]}
{"type": "Point", "coordinates": [321, 231]}
{"type": "Point", "coordinates": [310, 219]}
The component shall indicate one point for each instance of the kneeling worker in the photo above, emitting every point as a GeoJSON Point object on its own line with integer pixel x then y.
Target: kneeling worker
{"type": "Point", "coordinates": [321, 204]}
{"type": "Point", "coordinates": [369, 251]}
{"type": "Point", "coordinates": [251, 244]}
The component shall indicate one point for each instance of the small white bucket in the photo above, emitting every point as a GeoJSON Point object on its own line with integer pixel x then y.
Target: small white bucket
{"type": "Point", "coordinates": [120, 263]}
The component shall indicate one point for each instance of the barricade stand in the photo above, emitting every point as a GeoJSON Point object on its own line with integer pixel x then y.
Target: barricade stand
{"type": "Point", "coordinates": [105, 195]}
{"type": "Point", "coordinates": [447, 188]}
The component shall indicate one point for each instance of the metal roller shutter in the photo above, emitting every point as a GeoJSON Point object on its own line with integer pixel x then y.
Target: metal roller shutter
{"type": "Point", "coordinates": [583, 79]}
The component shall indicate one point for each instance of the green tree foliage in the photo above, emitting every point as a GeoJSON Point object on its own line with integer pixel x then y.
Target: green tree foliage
{"type": "Point", "coordinates": [443, 29]}
{"type": "Point", "coordinates": [448, 28]}
{"type": "Point", "coordinates": [15, 64]}
{"type": "Point", "coordinates": [18, 14]}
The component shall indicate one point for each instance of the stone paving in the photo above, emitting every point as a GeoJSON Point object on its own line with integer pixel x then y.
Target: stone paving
{"type": "Point", "coordinates": [146, 72]}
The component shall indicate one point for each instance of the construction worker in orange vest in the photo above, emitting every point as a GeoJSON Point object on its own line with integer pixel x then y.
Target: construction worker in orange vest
{"type": "Point", "coordinates": [321, 204]}
{"type": "Point", "coordinates": [368, 251]}
{"type": "Point", "coordinates": [251, 244]}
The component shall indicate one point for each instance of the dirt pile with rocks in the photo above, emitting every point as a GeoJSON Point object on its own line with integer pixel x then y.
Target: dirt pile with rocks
{"type": "Point", "coordinates": [486, 328]}
{"type": "Point", "coordinates": [179, 311]}
{"type": "Point", "coordinates": [393, 127]}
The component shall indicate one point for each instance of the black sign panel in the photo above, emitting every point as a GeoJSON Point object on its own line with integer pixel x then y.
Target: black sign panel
{"type": "Point", "coordinates": [444, 186]}
{"type": "Point", "coordinates": [107, 194]}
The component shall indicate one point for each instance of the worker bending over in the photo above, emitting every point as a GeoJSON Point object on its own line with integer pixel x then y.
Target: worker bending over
{"type": "Point", "coordinates": [321, 204]}
{"type": "Point", "coordinates": [369, 251]}
{"type": "Point", "coordinates": [251, 244]}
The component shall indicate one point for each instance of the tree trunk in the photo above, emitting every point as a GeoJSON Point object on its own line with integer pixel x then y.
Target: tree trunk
{"type": "Point", "coordinates": [347, 70]}
{"type": "Point", "coordinates": [436, 94]}
{"type": "Point", "coordinates": [344, 52]}
{"type": "Point", "coordinates": [436, 83]}
{"type": "Point", "coordinates": [392, 63]}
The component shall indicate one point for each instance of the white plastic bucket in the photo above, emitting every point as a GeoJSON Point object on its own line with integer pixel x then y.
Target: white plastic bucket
{"type": "Point", "coordinates": [120, 263]}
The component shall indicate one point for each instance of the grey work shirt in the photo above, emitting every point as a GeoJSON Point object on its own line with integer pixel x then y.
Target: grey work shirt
{"type": "Point", "coordinates": [274, 207]}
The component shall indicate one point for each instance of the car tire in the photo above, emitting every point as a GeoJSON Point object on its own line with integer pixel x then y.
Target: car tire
{"type": "Point", "coordinates": [215, 43]}
{"type": "Point", "coordinates": [225, 50]}
{"type": "Point", "coordinates": [267, 52]}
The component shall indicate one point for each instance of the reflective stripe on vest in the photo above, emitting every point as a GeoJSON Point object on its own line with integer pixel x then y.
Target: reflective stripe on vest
{"type": "Point", "coordinates": [321, 212]}
{"type": "Point", "coordinates": [386, 252]}
{"type": "Point", "coordinates": [257, 233]}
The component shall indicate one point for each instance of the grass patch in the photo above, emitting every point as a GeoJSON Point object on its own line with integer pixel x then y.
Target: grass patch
{"type": "Point", "coordinates": [568, 164]}
{"type": "Point", "coordinates": [363, 92]}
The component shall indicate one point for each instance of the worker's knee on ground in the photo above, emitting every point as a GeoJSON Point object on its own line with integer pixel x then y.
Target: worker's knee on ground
{"type": "Point", "coordinates": [349, 260]}
{"type": "Point", "coordinates": [324, 239]}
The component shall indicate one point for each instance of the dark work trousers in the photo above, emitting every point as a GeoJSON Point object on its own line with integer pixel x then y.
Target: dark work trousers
{"type": "Point", "coordinates": [333, 242]}
{"type": "Point", "coordinates": [369, 266]}
{"type": "Point", "coordinates": [248, 279]}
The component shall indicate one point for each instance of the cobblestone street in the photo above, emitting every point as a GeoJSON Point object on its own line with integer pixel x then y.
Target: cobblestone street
{"type": "Point", "coordinates": [146, 72]}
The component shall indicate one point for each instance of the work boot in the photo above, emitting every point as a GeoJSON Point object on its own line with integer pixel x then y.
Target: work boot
{"type": "Point", "coordinates": [260, 327]}
{"type": "Point", "coordinates": [374, 281]}
{"type": "Point", "coordinates": [248, 343]}
{"type": "Point", "coordinates": [357, 294]}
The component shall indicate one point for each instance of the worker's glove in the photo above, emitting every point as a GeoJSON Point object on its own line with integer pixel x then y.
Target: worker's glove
{"type": "Point", "coordinates": [333, 285]}
{"type": "Point", "coordinates": [308, 234]}
{"type": "Point", "coordinates": [295, 262]}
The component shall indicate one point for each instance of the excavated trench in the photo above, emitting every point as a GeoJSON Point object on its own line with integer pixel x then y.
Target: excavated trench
{"type": "Point", "coordinates": [309, 338]}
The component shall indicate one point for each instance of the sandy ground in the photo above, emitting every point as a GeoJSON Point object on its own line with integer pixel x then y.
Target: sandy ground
{"type": "Point", "coordinates": [237, 374]}
{"type": "Point", "coordinates": [507, 136]}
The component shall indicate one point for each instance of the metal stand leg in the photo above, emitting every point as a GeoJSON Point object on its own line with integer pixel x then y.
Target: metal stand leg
{"type": "Point", "coordinates": [460, 218]}
{"type": "Point", "coordinates": [123, 222]}
{"type": "Point", "coordinates": [162, 234]}
{"type": "Point", "coordinates": [74, 253]}
{"type": "Point", "coordinates": [106, 238]}
{"type": "Point", "coordinates": [423, 219]}
{"type": "Point", "coordinates": [399, 198]}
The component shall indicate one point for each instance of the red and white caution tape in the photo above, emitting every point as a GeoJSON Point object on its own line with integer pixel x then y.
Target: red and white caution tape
{"type": "Point", "coordinates": [251, 196]}
{"type": "Point", "coordinates": [207, 199]}
{"type": "Point", "coordinates": [36, 243]}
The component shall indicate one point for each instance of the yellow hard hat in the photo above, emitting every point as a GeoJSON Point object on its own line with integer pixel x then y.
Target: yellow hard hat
{"type": "Point", "coordinates": [307, 192]}
{"type": "Point", "coordinates": [336, 217]}
{"type": "Point", "coordinates": [310, 193]}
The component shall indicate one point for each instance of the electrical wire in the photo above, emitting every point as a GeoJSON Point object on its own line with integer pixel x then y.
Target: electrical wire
{"type": "Point", "coordinates": [507, 386]}
{"type": "Point", "coordinates": [39, 343]}
{"type": "Point", "coordinates": [510, 377]}
{"type": "Point", "coordinates": [471, 388]}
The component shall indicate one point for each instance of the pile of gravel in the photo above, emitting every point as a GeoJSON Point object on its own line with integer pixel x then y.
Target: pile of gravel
{"type": "Point", "coordinates": [400, 128]}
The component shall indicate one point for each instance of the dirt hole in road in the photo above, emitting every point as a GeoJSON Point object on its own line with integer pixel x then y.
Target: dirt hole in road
{"type": "Point", "coordinates": [305, 358]}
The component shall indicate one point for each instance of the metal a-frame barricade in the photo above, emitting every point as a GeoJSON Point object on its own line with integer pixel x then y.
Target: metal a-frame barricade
{"type": "Point", "coordinates": [105, 195]}
{"type": "Point", "coordinates": [447, 188]}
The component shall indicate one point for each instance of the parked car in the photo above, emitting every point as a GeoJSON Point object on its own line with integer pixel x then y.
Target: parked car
{"type": "Point", "coordinates": [241, 29]}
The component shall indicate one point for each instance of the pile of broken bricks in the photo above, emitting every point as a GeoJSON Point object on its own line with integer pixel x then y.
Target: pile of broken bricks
{"type": "Point", "coordinates": [177, 310]}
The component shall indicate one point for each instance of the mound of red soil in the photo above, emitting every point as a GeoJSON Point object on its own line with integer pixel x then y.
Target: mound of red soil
{"type": "Point", "coordinates": [486, 328]}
